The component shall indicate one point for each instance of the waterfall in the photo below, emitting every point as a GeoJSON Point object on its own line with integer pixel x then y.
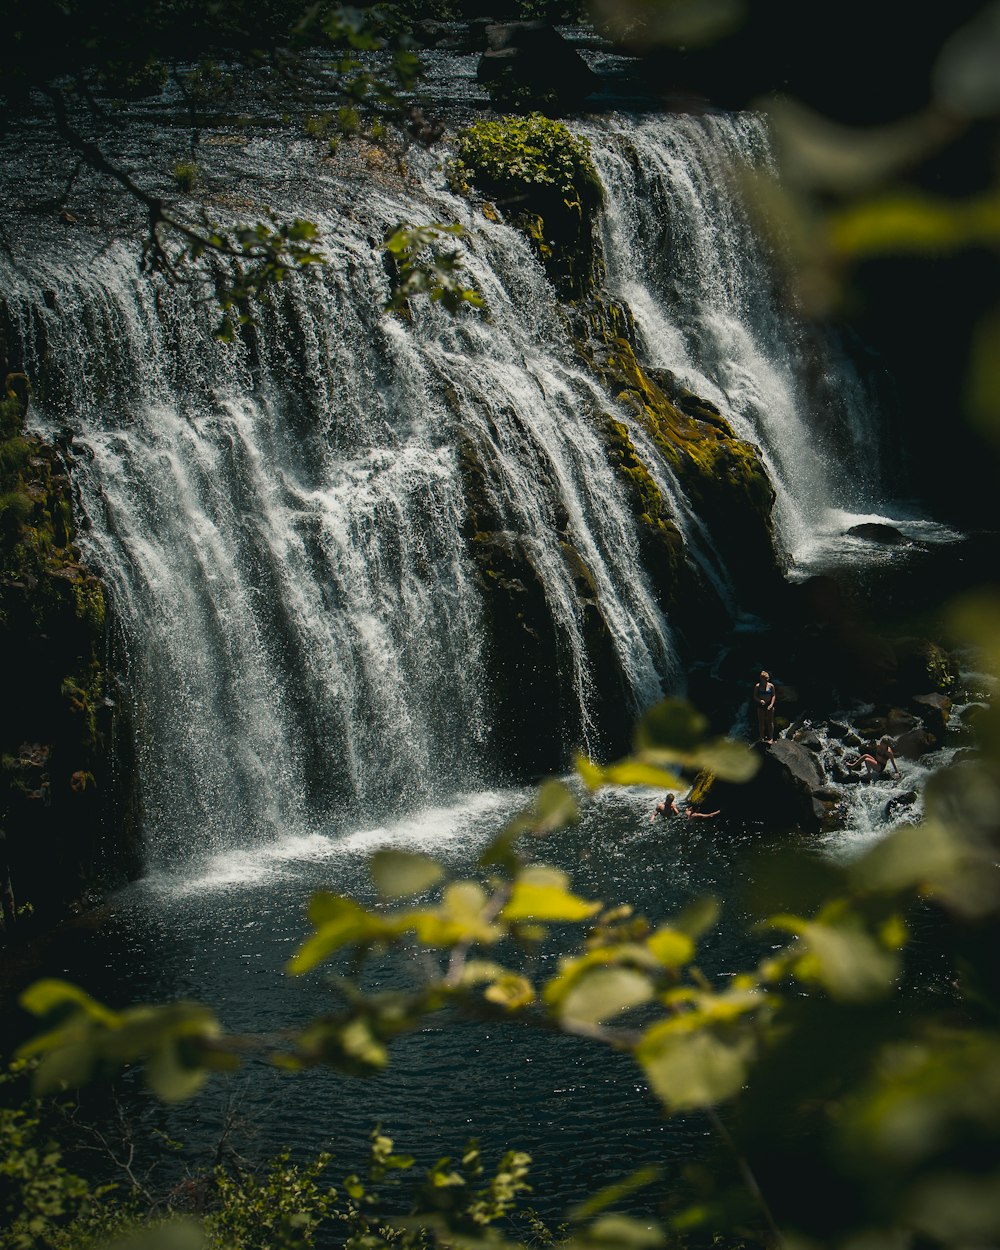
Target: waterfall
{"type": "Point", "coordinates": [282, 521]}
{"type": "Point", "coordinates": [684, 254]}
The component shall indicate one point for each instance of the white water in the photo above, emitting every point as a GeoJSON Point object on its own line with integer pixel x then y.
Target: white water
{"type": "Point", "coordinates": [683, 253]}
{"type": "Point", "coordinates": [282, 524]}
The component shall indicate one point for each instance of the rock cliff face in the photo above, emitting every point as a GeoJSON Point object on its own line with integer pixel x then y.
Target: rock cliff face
{"type": "Point", "coordinates": [537, 174]}
{"type": "Point", "coordinates": [56, 723]}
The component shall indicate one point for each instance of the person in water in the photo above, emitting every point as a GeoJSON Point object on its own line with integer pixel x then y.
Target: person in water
{"type": "Point", "coordinates": [666, 809]}
{"type": "Point", "coordinates": [764, 696]}
{"type": "Point", "coordinates": [877, 762]}
{"type": "Point", "coordinates": [669, 808]}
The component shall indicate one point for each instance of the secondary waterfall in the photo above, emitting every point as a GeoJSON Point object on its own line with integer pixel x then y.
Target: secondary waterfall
{"type": "Point", "coordinates": [281, 521]}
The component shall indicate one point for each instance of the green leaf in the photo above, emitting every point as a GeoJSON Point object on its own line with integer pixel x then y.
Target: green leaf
{"type": "Point", "coordinates": [610, 1194]}
{"type": "Point", "coordinates": [672, 726]}
{"type": "Point", "coordinates": [169, 1077]}
{"type": "Point", "coordinates": [697, 917]}
{"type": "Point", "coordinates": [728, 760]}
{"type": "Point", "coordinates": [401, 874]}
{"type": "Point", "coordinates": [339, 921]}
{"type": "Point", "coordinates": [605, 992]}
{"type": "Point", "coordinates": [47, 995]}
{"type": "Point", "coordinates": [696, 1069]}
{"type": "Point", "coordinates": [627, 772]}
{"type": "Point", "coordinates": [672, 947]}
{"type": "Point", "coordinates": [540, 894]}
{"type": "Point", "coordinates": [848, 962]}
{"type": "Point", "coordinates": [625, 1232]}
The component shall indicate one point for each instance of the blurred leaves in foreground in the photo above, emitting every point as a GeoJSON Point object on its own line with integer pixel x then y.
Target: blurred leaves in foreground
{"type": "Point", "coordinates": [831, 1044]}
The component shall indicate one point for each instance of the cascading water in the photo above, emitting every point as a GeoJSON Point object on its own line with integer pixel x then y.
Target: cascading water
{"type": "Point", "coordinates": [282, 521]}
{"type": "Point", "coordinates": [683, 254]}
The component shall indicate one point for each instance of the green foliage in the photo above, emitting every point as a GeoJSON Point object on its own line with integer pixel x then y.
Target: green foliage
{"type": "Point", "coordinates": [423, 267]}
{"type": "Point", "coordinates": [40, 1199]}
{"type": "Point", "coordinates": [185, 174]}
{"type": "Point", "coordinates": [280, 1210]}
{"type": "Point", "coordinates": [505, 158]}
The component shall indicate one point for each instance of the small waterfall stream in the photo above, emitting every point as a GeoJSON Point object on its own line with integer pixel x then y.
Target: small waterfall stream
{"type": "Point", "coordinates": [684, 254]}
{"type": "Point", "coordinates": [282, 520]}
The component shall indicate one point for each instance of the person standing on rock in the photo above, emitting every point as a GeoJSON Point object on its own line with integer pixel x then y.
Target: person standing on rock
{"type": "Point", "coordinates": [764, 696]}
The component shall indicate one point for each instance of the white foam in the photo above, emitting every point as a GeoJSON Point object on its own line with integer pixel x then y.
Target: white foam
{"type": "Point", "coordinates": [465, 822]}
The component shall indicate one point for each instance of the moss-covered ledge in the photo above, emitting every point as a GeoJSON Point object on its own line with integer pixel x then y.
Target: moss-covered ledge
{"type": "Point", "coordinates": [722, 475]}
{"type": "Point", "coordinates": [541, 177]}
{"type": "Point", "coordinates": [55, 724]}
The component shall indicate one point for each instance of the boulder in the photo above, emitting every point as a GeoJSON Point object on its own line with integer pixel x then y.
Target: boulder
{"type": "Point", "coordinates": [836, 729]}
{"type": "Point", "coordinates": [913, 744]}
{"type": "Point", "coordinates": [873, 532]}
{"type": "Point", "coordinates": [897, 721]}
{"type": "Point", "coordinates": [935, 711]}
{"type": "Point", "coordinates": [923, 665]}
{"type": "Point", "coordinates": [530, 65]}
{"type": "Point", "coordinates": [786, 793]}
{"type": "Point", "coordinates": [808, 738]}
{"type": "Point", "coordinates": [898, 802]}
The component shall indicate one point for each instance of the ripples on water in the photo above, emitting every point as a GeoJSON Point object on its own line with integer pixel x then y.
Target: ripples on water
{"type": "Point", "coordinates": [222, 930]}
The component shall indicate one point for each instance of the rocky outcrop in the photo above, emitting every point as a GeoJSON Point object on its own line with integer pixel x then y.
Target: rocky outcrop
{"type": "Point", "coordinates": [722, 476]}
{"type": "Point", "coordinates": [541, 177]}
{"type": "Point", "coordinates": [529, 65]}
{"type": "Point", "coordinates": [873, 532]}
{"type": "Point", "coordinates": [56, 720]}
{"type": "Point", "coordinates": [532, 709]}
{"type": "Point", "coordinates": [789, 791]}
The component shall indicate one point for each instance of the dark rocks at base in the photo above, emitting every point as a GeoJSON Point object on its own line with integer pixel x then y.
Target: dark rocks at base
{"type": "Point", "coordinates": [913, 744]}
{"type": "Point", "coordinates": [935, 711]}
{"type": "Point", "coordinates": [809, 739]}
{"type": "Point", "coordinates": [922, 665]}
{"type": "Point", "coordinates": [788, 792]}
{"type": "Point", "coordinates": [897, 721]}
{"type": "Point", "coordinates": [530, 65]}
{"type": "Point", "coordinates": [873, 532]}
{"type": "Point", "coordinates": [898, 802]}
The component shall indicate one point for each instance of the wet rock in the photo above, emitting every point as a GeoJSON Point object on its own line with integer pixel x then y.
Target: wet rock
{"type": "Point", "coordinates": [898, 802]}
{"type": "Point", "coordinates": [835, 729]}
{"type": "Point", "coordinates": [897, 721]}
{"type": "Point", "coordinates": [923, 665]}
{"type": "Point", "coordinates": [935, 711]}
{"type": "Point", "coordinates": [808, 738]}
{"type": "Point", "coordinates": [913, 744]}
{"type": "Point", "coordinates": [827, 794]}
{"type": "Point", "coordinates": [873, 532]}
{"type": "Point", "coordinates": [782, 795]}
{"type": "Point", "coordinates": [530, 65]}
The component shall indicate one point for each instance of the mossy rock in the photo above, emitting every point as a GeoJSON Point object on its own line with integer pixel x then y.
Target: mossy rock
{"type": "Point", "coordinates": [723, 476]}
{"type": "Point", "coordinates": [541, 177]}
{"type": "Point", "coordinates": [534, 713]}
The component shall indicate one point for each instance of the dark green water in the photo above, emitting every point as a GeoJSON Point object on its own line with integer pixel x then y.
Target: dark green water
{"type": "Point", "coordinates": [221, 932]}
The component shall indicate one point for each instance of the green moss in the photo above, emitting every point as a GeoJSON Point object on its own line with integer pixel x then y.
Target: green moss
{"type": "Point", "coordinates": [540, 174]}
{"type": "Point", "coordinates": [722, 476]}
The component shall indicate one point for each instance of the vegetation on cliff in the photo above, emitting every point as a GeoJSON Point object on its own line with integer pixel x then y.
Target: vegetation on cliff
{"type": "Point", "coordinates": [542, 176]}
{"type": "Point", "coordinates": [56, 712]}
